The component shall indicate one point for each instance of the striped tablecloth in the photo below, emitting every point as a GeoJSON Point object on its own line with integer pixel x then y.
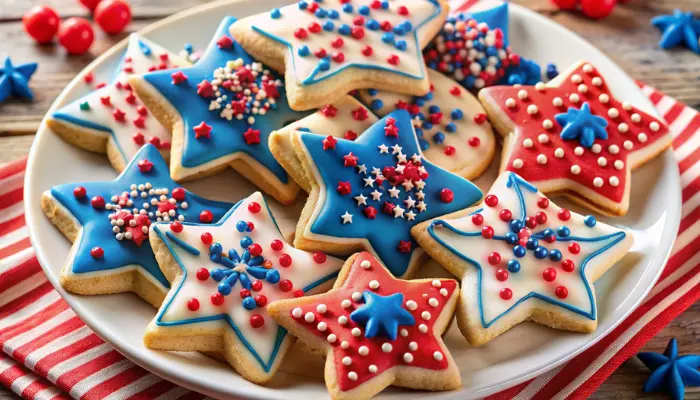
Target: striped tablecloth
{"type": "Point", "coordinates": [49, 353]}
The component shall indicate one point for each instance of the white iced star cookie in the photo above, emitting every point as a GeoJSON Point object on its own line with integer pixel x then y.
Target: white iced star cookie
{"type": "Point", "coordinates": [332, 47]}
{"type": "Point", "coordinates": [223, 276]}
{"type": "Point", "coordinates": [521, 257]}
{"type": "Point", "coordinates": [111, 119]}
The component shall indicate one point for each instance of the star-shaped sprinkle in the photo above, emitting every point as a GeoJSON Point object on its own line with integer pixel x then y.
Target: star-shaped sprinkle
{"type": "Point", "coordinates": [518, 254]}
{"type": "Point", "coordinates": [14, 80]}
{"type": "Point", "coordinates": [381, 225]}
{"type": "Point", "coordinates": [231, 271]}
{"type": "Point", "coordinates": [112, 113]}
{"type": "Point", "coordinates": [576, 132]}
{"type": "Point", "coordinates": [377, 42]}
{"type": "Point", "coordinates": [372, 322]}
{"type": "Point", "coordinates": [681, 28]}
{"type": "Point", "coordinates": [114, 220]}
{"type": "Point", "coordinates": [240, 101]}
{"type": "Point", "coordinates": [670, 373]}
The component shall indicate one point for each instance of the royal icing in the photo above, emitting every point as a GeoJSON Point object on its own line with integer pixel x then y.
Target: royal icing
{"type": "Point", "coordinates": [576, 130]}
{"type": "Point", "coordinates": [451, 125]}
{"type": "Point", "coordinates": [115, 216]}
{"type": "Point", "coordinates": [524, 247]}
{"type": "Point", "coordinates": [229, 104]}
{"type": "Point", "coordinates": [334, 36]}
{"type": "Point", "coordinates": [375, 189]}
{"type": "Point", "coordinates": [115, 109]}
{"type": "Point", "coordinates": [374, 322]}
{"type": "Point", "coordinates": [232, 269]}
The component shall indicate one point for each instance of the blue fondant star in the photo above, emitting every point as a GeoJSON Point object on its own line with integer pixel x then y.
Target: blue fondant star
{"type": "Point", "coordinates": [527, 72]}
{"type": "Point", "coordinates": [115, 216]}
{"type": "Point", "coordinates": [670, 373]}
{"type": "Point", "coordinates": [679, 28]}
{"type": "Point", "coordinates": [582, 125]}
{"type": "Point", "coordinates": [376, 188]}
{"type": "Point", "coordinates": [210, 136]}
{"type": "Point", "coordinates": [382, 315]}
{"type": "Point", "coordinates": [14, 80]}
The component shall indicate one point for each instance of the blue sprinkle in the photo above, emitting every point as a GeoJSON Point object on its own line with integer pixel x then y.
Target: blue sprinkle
{"type": "Point", "coordinates": [275, 13]}
{"type": "Point", "coordinates": [519, 251]}
{"type": "Point", "coordinates": [373, 92]}
{"type": "Point", "coordinates": [398, 29]}
{"type": "Point", "coordinates": [303, 51]}
{"type": "Point", "coordinates": [385, 5]}
{"type": "Point", "coordinates": [189, 48]}
{"type": "Point", "coordinates": [304, 129]}
{"type": "Point", "coordinates": [373, 25]}
{"type": "Point", "coordinates": [457, 114]}
{"type": "Point", "coordinates": [217, 274]}
{"type": "Point", "coordinates": [548, 232]}
{"type": "Point", "coordinates": [429, 96]}
{"type": "Point", "coordinates": [563, 231]}
{"type": "Point", "coordinates": [364, 10]}
{"type": "Point", "coordinates": [333, 14]}
{"type": "Point", "coordinates": [272, 276]}
{"type": "Point", "coordinates": [541, 252]}
{"type": "Point", "coordinates": [377, 104]}
{"type": "Point", "coordinates": [388, 37]}
{"type": "Point", "coordinates": [224, 288]}
{"type": "Point", "coordinates": [419, 132]}
{"type": "Point", "coordinates": [242, 226]}
{"type": "Point", "coordinates": [515, 80]}
{"type": "Point", "coordinates": [328, 26]}
{"type": "Point", "coordinates": [513, 266]}
{"type": "Point", "coordinates": [439, 137]}
{"type": "Point", "coordinates": [320, 13]}
{"type": "Point", "coordinates": [249, 303]}
{"type": "Point", "coordinates": [427, 125]}
{"type": "Point", "coordinates": [420, 102]}
{"type": "Point", "coordinates": [555, 255]}
{"type": "Point", "coordinates": [511, 238]}
{"type": "Point", "coordinates": [318, 1]}
{"type": "Point", "coordinates": [590, 221]}
{"type": "Point", "coordinates": [347, 7]}
{"type": "Point", "coordinates": [451, 127]}
{"type": "Point", "coordinates": [145, 49]}
{"type": "Point", "coordinates": [433, 109]}
{"type": "Point", "coordinates": [324, 65]}
{"type": "Point", "coordinates": [516, 225]}
{"type": "Point", "coordinates": [406, 26]}
{"type": "Point", "coordinates": [424, 145]}
{"type": "Point", "coordinates": [302, 5]}
{"type": "Point", "coordinates": [552, 71]}
{"type": "Point", "coordinates": [401, 45]}
{"type": "Point", "coordinates": [246, 241]}
{"type": "Point", "coordinates": [344, 29]}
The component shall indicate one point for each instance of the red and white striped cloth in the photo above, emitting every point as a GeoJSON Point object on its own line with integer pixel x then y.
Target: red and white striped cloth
{"type": "Point", "coordinates": [49, 353]}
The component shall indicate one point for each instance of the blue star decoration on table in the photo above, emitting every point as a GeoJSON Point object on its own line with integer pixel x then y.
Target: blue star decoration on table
{"type": "Point", "coordinates": [382, 314]}
{"type": "Point", "coordinates": [115, 218]}
{"type": "Point", "coordinates": [523, 246]}
{"type": "Point", "coordinates": [14, 80]}
{"type": "Point", "coordinates": [373, 190]}
{"type": "Point", "coordinates": [228, 104]}
{"type": "Point", "coordinates": [670, 373]}
{"type": "Point", "coordinates": [229, 272]}
{"type": "Point", "coordinates": [582, 125]}
{"type": "Point", "coordinates": [681, 28]}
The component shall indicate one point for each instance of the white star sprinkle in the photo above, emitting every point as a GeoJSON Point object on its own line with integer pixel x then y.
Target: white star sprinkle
{"type": "Point", "coordinates": [383, 149]}
{"type": "Point", "coordinates": [394, 192]}
{"type": "Point", "coordinates": [361, 200]}
{"type": "Point", "coordinates": [369, 181]}
{"type": "Point", "coordinates": [347, 218]}
{"type": "Point", "coordinates": [396, 149]}
{"type": "Point", "coordinates": [420, 184]}
{"type": "Point", "coordinates": [421, 206]}
{"type": "Point", "coordinates": [376, 195]}
{"type": "Point", "coordinates": [410, 215]}
{"type": "Point", "coordinates": [362, 169]}
{"type": "Point", "coordinates": [409, 202]}
{"type": "Point", "coordinates": [398, 212]}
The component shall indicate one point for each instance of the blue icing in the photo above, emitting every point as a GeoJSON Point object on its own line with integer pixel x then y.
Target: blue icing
{"type": "Point", "coordinates": [681, 28]}
{"type": "Point", "coordinates": [520, 186]}
{"type": "Point", "coordinates": [385, 233]}
{"type": "Point", "coordinates": [582, 125]}
{"type": "Point", "coordinates": [372, 29]}
{"type": "Point", "coordinates": [670, 373]}
{"type": "Point", "coordinates": [382, 314]}
{"type": "Point", "coordinates": [97, 229]}
{"type": "Point", "coordinates": [226, 136]}
{"type": "Point", "coordinates": [527, 72]}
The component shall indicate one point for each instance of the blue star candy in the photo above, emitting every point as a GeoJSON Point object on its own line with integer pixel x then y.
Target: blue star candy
{"type": "Point", "coordinates": [581, 124]}
{"type": "Point", "coordinates": [679, 28]}
{"type": "Point", "coordinates": [14, 80]}
{"type": "Point", "coordinates": [227, 139]}
{"type": "Point", "coordinates": [124, 245]}
{"type": "Point", "coordinates": [382, 314]}
{"type": "Point", "coordinates": [670, 373]}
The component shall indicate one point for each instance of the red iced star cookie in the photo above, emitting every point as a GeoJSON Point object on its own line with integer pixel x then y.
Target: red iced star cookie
{"type": "Point", "coordinates": [573, 136]}
{"type": "Point", "coordinates": [377, 330]}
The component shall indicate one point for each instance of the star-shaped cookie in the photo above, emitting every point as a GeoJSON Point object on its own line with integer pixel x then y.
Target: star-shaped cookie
{"type": "Point", "coordinates": [111, 119]}
{"type": "Point", "coordinates": [521, 257]}
{"type": "Point", "coordinates": [328, 49]}
{"type": "Point", "coordinates": [377, 330]}
{"type": "Point", "coordinates": [221, 112]}
{"type": "Point", "coordinates": [223, 277]}
{"type": "Point", "coordinates": [108, 223]}
{"type": "Point", "coordinates": [572, 136]}
{"type": "Point", "coordinates": [368, 193]}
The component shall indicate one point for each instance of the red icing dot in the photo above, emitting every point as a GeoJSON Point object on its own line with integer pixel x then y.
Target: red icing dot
{"type": "Point", "coordinates": [530, 222]}
{"type": "Point", "coordinates": [480, 118]}
{"type": "Point", "coordinates": [320, 53]}
{"type": "Point", "coordinates": [206, 238]}
{"type": "Point", "coordinates": [97, 202]}
{"type": "Point", "coordinates": [79, 192]}
{"type": "Point", "coordinates": [393, 59]}
{"type": "Point", "coordinates": [193, 304]}
{"type": "Point", "coordinates": [506, 294]}
{"type": "Point", "coordinates": [357, 32]}
{"type": "Point", "coordinates": [314, 27]}
{"type": "Point", "coordinates": [286, 285]}
{"type": "Point", "coordinates": [202, 274]}
{"type": "Point", "coordinates": [337, 43]}
{"type": "Point", "coordinates": [449, 150]}
{"type": "Point", "coordinates": [244, 293]}
{"type": "Point", "coordinates": [455, 91]}
{"type": "Point", "coordinates": [176, 227]}
{"type": "Point", "coordinates": [446, 195]}
{"type": "Point", "coordinates": [255, 249]}
{"type": "Point", "coordinates": [298, 293]}
{"type": "Point", "coordinates": [543, 202]}
{"type": "Point", "coordinates": [300, 33]}
{"type": "Point", "coordinates": [260, 300]}
{"type": "Point", "coordinates": [257, 320]}
{"type": "Point", "coordinates": [285, 260]}
{"type": "Point", "coordinates": [494, 258]}
{"type": "Point", "coordinates": [206, 216]}
{"type": "Point", "coordinates": [251, 226]}
{"type": "Point", "coordinates": [487, 232]}
{"type": "Point", "coordinates": [254, 207]}
{"type": "Point", "coordinates": [540, 217]}
{"type": "Point", "coordinates": [568, 265]}
{"type": "Point", "coordinates": [549, 274]}
{"type": "Point", "coordinates": [402, 10]}
{"type": "Point", "coordinates": [276, 245]}
{"type": "Point", "coordinates": [477, 219]}
{"type": "Point", "coordinates": [178, 194]}
{"type": "Point", "coordinates": [474, 141]}
{"type": "Point", "coordinates": [319, 257]}
{"type": "Point", "coordinates": [217, 299]}
{"type": "Point", "coordinates": [97, 252]}
{"type": "Point", "coordinates": [505, 215]}
{"type": "Point", "coordinates": [257, 286]}
{"type": "Point", "coordinates": [564, 214]}
{"type": "Point", "coordinates": [502, 275]}
{"type": "Point", "coordinates": [574, 248]}
{"type": "Point", "coordinates": [367, 51]}
{"type": "Point", "coordinates": [561, 292]}
{"type": "Point", "coordinates": [491, 200]}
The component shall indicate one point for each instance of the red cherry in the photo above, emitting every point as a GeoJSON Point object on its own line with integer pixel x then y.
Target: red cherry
{"type": "Point", "coordinates": [41, 23]}
{"type": "Point", "coordinates": [446, 195]}
{"type": "Point", "coordinates": [178, 194]}
{"type": "Point", "coordinates": [217, 299]}
{"type": "Point", "coordinates": [494, 258]}
{"type": "Point", "coordinates": [257, 320]}
{"type": "Point", "coordinates": [506, 294]}
{"type": "Point", "coordinates": [79, 192]}
{"type": "Point", "coordinates": [299, 293]}
{"type": "Point", "coordinates": [565, 4]}
{"type": "Point", "coordinates": [202, 274]}
{"type": "Point", "coordinates": [568, 265]}
{"type": "Point", "coordinates": [319, 257]}
{"type": "Point", "coordinates": [76, 35]}
{"type": "Point", "coordinates": [206, 216]}
{"type": "Point", "coordinates": [206, 238]}
{"type": "Point", "coordinates": [561, 292]}
{"type": "Point", "coordinates": [257, 286]}
{"type": "Point", "coordinates": [97, 252]}
{"type": "Point", "coordinates": [276, 245]}
{"type": "Point", "coordinates": [597, 9]}
{"type": "Point", "coordinates": [193, 304]}
{"type": "Point", "coordinates": [113, 15]}
{"type": "Point", "coordinates": [176, 227]}
{"type": "Point", "coordinates": [90, 4]}
{"type": "Point", "coordinates": [260, 300]}
{"type": "Point", "coordinates": [286, 285]}
{"type": "Point", "coordinates": [254, 207]}
{"type": "Point", "coordinates": [549, 274]}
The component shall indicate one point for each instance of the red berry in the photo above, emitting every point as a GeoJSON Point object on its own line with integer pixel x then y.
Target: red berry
{"type": "Point", "coordinates": [487, 232]}
{"type": "Point", "coordinates": [565, 4]}
{"type": "Point", "coordinates": [76, 35]}
{"type": "Point", "coordinates": [549, 274]}
{"type": "Point", "coordinates": [597, 9]}
{"type": "Point", "coordinates": [193, 304]}
{"type": "Point", "coordinates": [561, 292]}
{"type": "Point", "coordinates": [276, 245]}
{"type": "Point", "coordinates": [178, 194]}
{"type": "Point", "coordinates": [113, 15]}
{"type": "Point", "coordinates": [244, 293]}
{"type": "Point", "coordinates": [574, 248]}
{"type": "Point", "coordinates": [217, 299]}
{"type": "Point", "coordinates": [41, 23]}
{"type": "Point", "coordinates": [257, 286]}
{"type": "Point", "coordinates": [257, 320]}
{"type": "Point", "coordinates": [90, 4]}
{"type": "Point", "coordinates": [97, 202]}
{"type": "Point", "coordinates": [446, 195]}
{"type": "Point", "coordinates": [285, 260]}
{"type": "Point", "coordinates": [206, 238]}
{"type": "Point", "coordinates": [506, 294]}
{"type": "Point", "coordinates": [79, 192]}
{"type": "Point", "coordinates": [176, 227]}
{"type": "Point", "coordinates": [543, 202]}
{"type": "Point", "coordinates": [491, 200]}
{"type": "Point", "coordinates": [206, 216]}
{"type": "Point", "coordinates": [286, 285]}
{"type": "Point", "coordinates": [502, 275]}
{"type": "Point", "coordinates": [254, 207]}
{"type": "Point", "coordinates": [319, 257]}
{"type": "Point", "coordinates": [568, 265]}
{"type": "Point", "coordinates": [202, 274]}
{"type": "Point", "coordinates": [299, 293]}
{"type": "Point", "coordinates": [505, 215]}
{"type": "Point", "coordinates": [494, 258]}
{"type": "Point", "coordinates": [477, 219]}
{"type": "Point", "coordinates": [97, 252]}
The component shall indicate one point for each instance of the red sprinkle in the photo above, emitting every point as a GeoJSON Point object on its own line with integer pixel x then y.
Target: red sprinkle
{"type": "Point", "coordinates": [97, 252]}
{"type": "Point", "coordinates": [202, 274]}
{"type": "Point", "coordinates": [344, 188]}
{"type": "Point", "coordinates": [286, 285]}
{"type": "Point", "coordinates": [206, 216]}
{"type": "Point", "coordinates": [178, 194]}
{"type": "Point", "coordinates": [298, 293]}
{"type": "Point", "coordinates": [568, 265]}
{"type": "Point", "coordinates": [393, 59]}
{"type": "Point", "coordinates": [260, 300]}
{"type": "Point", "coordinates": [254, 207]}
{"type": "Point", "coordinates": [403, 10]}
{"type": "Point", "coordinates": [502, 275]}
{"type": "Point", "coordinates": [455, 90]}
{"type": "Point", "coordinates": [244, 293]}
{"type": "Point", "coordinates": [487, 232]}
{"type": "Point", "coordinates": [357, 33]}
{"type": "Point", "coordinates": [404, 246]}
{"type": "Point", "coordinates": [138, 138]}
{"type": "Point", "coordinates": [505, 215]}
{"type": "Point", "coordinates": [300, 33]}
{"type": "Point", "coordinates": [506, 294]}
{"type": "Point", "coordinates": [540, 217]}
{"type": "Point", "coordinates": [277, 245]}
{"type": "Point", "coordinates": [329, 142]}
{"type": "Point", "coordinates": [338, 57]}
{"type": "Point", "coordinates": [176, 227]}
{"type": "Point", "coordinates": [491, 200]}
{"type": "Point", "coordinates": [564, 214]}
{"type": "Point", "coordinates": [337, 42]}
{"type": "Point", "coordinates": [477, 219]}
{"type": "Point", "coordinates": [79, 192]}
{"type": "Point", "coordinates": [257, 320]}
{"type": "Point", "coordinates": [449, 150]}
{"type": "Point", "coordinates": [574, 248]}
{"type": "Point", "coordinates": [350, 135]}
{"type": "Point", "coordinates": [370, 212]}
{"type": "Point", "coordinates": [97, 202]}
{"type": "Point", "coordinates": [217, 299]}
{"type": "Point", "coordinates": [314, 27]}
{"type": "Point", "coordinates": [494, 258]}
{"type": "Point", "coordinates": [319, 257]}
{"type": "Point", "coordinates": [543, 202]}
{"type": "Point", "coordinates": [285, 260]}
{"type": "Point", "coordinates": [193, 304]}
{"type": "Point", "coordinates": [446, 195]}
{"type": "Point", "coordinates": [549, 274]}
{"type": "Point", "coordinates": [480, 118]}
{"type": "Point", "coordinates": [474, 141]}
{"type": "Point", "coordinates": [255, 249]}
{"type": "Point", "coordinates": [367, 51]}
{"type": "Point", "coordinates": [257, 286]}
{"type": "Point", "coordinates": [145, 166]}
{"type": "Point", "coordinates": [561, 292]}
{"type": "Point", "coordinates": [178, 77]}
{"type": "Point", "coordinates": [224, 42]}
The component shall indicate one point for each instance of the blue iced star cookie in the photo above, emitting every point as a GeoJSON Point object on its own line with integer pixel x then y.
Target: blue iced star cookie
{"type": "Point", "coordinates": [111, 119]}
{"type": "Point", "coordinates": [670, 373]}
{"type": "Point", "coordinates": [681, 28]}
{"type": "Point", "coordinates": [221, 113]}
{"type": "Point", "coordinates": [332, 47]}
{"type": "Point", "coordinates": [370, 192]}
{"type": "Point", "coordinates": [14, 80]}
{"type": "Point", "coordinates": [109, 222]}
{"type": "Point", "coordinates": [521, 257]}
{"type": "Point", "coordinates": [223, 277]}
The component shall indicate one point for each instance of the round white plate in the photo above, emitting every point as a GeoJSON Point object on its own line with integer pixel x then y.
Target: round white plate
{"type": "Point", "coordinates": [518, 355]}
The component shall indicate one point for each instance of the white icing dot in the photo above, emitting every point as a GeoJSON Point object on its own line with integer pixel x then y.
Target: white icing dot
{"type": "Point", "coordinates": [578, 150]}
{"type": "Point", "coordinates": [443, 292]}
{"type": "Point", "coordinates": [636, 118]}
{"type": "Point", "coordinates": [559, 152]}
{"type": "Point", "coordinates": [331, 338]}
{"type": "Point", "coordinates": [321, 308]}
{"type": "Point", "coordinates": [387, 347]}
{"type": "Point", "coordinates": [532, 109]}
{"type": "Point", "coordinates": [322, 326]}
{"type": "Point", "coordinates": [438, 356]}
{"type": "Point", "coordinates": [623, 127]}
{"type": "Point", "coordinates": [613, 149]}
{"type": "Point", "coordinates": [596, 148]}
{"type": "Point", "coordinates": [582, 88]}
{"type": "Point", "coordinates": [342, 320]}
{"type": "Point", "coordinates": [296, 313]}
{"type": "Point", "coordinates": [642, 137]}
{"type": "Point", "coordinates": [604, 98]}
{"type": "Point", "coordinates": [363, 350]}
{"type": "Point", "coordinates": [598, 181]}
{"type": "Point", "coordinates": [436, 283]}
{"type": "Point", "coordinates": [613, 113]}
{"type": "Point", "coordinates": [344, 344]}
{"type": "Point", "coordinates": [596, 81]}
{"type": "Point", "coordinates": [539, 86]}
{"type": "Point", "coordinates": [403, 332]}
{"type": "Point", "coordinates": [346, 303]}
{"type": "Point", "coordinates": [543, 138]}
{"type": "Point", "coordinates": [372, 368]}
{"type": "Point", "coordinates": [575, 169]}
{"type": "Point", "coordinates": [614, 181]}
{"type": "Point", "coordinates": [574, 98]}
{"type": "Point", "coordinates": [626, 106]}
{"type": "Point", "coordinates": [425, 315]}
{"type": "Point", "coordinates": [309, 317]}
{"type": "Point", "coordinates": [433, 302]}
{"type": "Point", "coordinates": [619, 165]}
{"type": "Point", "coordinates": [373, 284]}
{"type": "Point", "coordinates": [357, 296]}
{"type": "Point", "coordinates": [522, 94]}
{"type": "Point", "coordinates": [558, 102]}
{"type": "Point", "coordinates": [628, 145]}
{"type": "Point", "coordinates": [541, 159]}
{"type": "Point", "coordinates": [576, 78]}
{"type": "Point", "coordinates": [413, 346]}
{"type": "Point", "coordinates": [510, 102]}
{"type": "Point", "coordinates": [411, 305]}
{"type": "Point", "coordinates": [517, 163]}
{"type": "Point", "coordinates": [602, 161]}
{"type": "Point", "coordinates": [356, 331]}
{"type": "Point", "coordinates": [352, 375]}
{"type": "Point", "coordinates": [528, 143]}
{"type": "Point", "coordinates": [408, 357]}
{"type": "Point", "coordinates": [547, 124]}
{"type": "Point", "coordinates": [423, 328]}
{"type": "Point", "coordinates": [587, 68]}
{"type": "Point", "coordinates": [365, 264]}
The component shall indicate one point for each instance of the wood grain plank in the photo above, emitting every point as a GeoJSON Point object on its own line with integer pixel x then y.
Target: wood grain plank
{"type": "Point", "coordinates": [14, 147]}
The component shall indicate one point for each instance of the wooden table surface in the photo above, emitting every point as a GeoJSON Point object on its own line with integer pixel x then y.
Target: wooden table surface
{"type": "Point", "coordinates": [626, 36]}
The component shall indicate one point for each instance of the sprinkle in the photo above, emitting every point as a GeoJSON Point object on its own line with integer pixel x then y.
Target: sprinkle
{"type": "Point", "coordinates": [372, 368]}
{"type": "Point", "coordinates": [528, 143]}
{"type": "Point", "coordinates": [510, 102]}
{"type": "Point", "coordinates": [357, 296]}
{"type": "Point", "coordinates": [423, 328]}
{"type": "Point", "coordinates": [517, 163]}
{"type": "Point", "coordinates": [373, 284]}
{"type": "Point", "coordinates": [387, 347]}
{"type": "Point", "coordinates": [547, 124]}
{"type": "Point", "coordinates": [413, 346]}
{"type": "Point", "coordinates": [342, 320]}
{"type": "Point", "coordinates": [642, 137]}
{"type": "Point", "coordinates": [347, 360]}
{"type": "Point", "coordinates": [532, 109]}
{"type": "Point", "coordinates": [558, 102]}
{"type": "Point", "coordinates": [628, 145]}
{"type": "Point", "coordinates": [346, 303]}
{"type": "Point", "coordinates": [559, 152]}
{"type": "Point", "coordinates": [363, 350]}
{"type": "Point", "coordinates": [408, 357]}
{"type": "Point", "coordinates": [296, 313]}
{"type": "Point", "coordinates": [411, 305]}
{"type": "Point", "coordinates": [598, 182]}
{"type": "Point", "coordinates": [602, 161]}
{"type": "Point", "coordinates": [365, 264]}
{"type": "Point", "coordinates": [575, 169]}
{"type": "Point", "coordinates": [623, 127]}
{"type": "Point", "coordinates": [433, 302]}
{"type": "Point", "coordinates": [309, 317]}
{"type": "Point", "coordinates": [331, 338]}
{"type": "Point", "coordinates": [543, 138]}
{"type": "Point", "coordinates": [344, 344]}
{"type": "Point", "coordinates": [436, 283]}
{"type": "Point", "coordinates": [356, 332]}
{"type": "Point", "coordinates": [438, 356]}
{"type": "Point", "coordinates": [603, 98]}
{"type": "Point", "coordinates": [322, 326]}
{"type": "Point", "coordinates": [522, 94]}
{"type": "Point", "coordinates": [613, 113]}
{"type": "Point", "coordinates": [614, 181]}
{"type": "Point", "coordinates": [619, 165]}
{"type": "Point", "coordinates": [574, 98]}
{"type": "Point", "coordinates": [426, 315]}
{"type": "Point", "coordinates": [352, 375]}
{"type": "Point", "coordinates": [541, 159]}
